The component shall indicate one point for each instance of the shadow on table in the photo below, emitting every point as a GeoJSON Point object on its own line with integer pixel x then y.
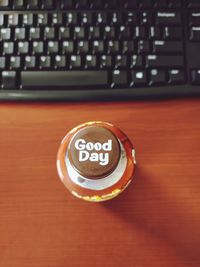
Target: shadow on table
{"type": "Point", "coordinates": [160, 209]}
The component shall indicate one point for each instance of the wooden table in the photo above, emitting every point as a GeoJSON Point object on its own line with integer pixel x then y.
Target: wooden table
{"type": "Point", "coordinates": [155, 222]}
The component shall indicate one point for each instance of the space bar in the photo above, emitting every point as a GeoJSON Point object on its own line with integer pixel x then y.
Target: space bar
{"type": "Point", "coordinates": [46, 79]}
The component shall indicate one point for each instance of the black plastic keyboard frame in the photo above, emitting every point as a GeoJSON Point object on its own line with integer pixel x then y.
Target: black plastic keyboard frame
{"type": "Point", "coordinates": [108, 94]}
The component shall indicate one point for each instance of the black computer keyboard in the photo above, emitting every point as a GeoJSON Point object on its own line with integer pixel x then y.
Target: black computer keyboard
{"type": "Point", "coordinates": [99, 49]}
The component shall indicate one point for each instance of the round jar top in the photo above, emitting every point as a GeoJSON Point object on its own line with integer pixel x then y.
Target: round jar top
{"type": "Point", "coordinates": [94, 152]}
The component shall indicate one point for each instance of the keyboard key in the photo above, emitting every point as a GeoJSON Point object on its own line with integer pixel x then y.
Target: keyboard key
{"type": "Point", "coordinates": [1, 19]}
{"type": "Point", "coordinates": [131, 18]}
{"type": "Point", "coordinates": [167, 46]}
{"type": "Point", "coordinates": [38, 47]}
{"type": "Point", "coordinates": [94, 32]}
{"type": "Point", "coordinates": [2, 63]}
{"type": "Point", "coordinates": [82, 47]}
{"type": "Point", "coordinates": [66, 4]}
{"type": "Point", "coordinates": [136, 61]}
{"type": "Point", "coordinates": [13, 19]}
{"type": "Point", "coordinates": [48, 4]}
{"type": "Point", "coordinates": [42, 19]}
{"type": "Point", "coordinates": [4, 4]}
{"type": "Point", "coordinates": [119, 78]}
{"type": "Point", "coordinates": [75, 62]}
{"type": "Point", "coordinates": [159, 61]}
{"type": "Point", "coordinates": [52, 47]}
{"type": "Point", "coordinates": [97, 46]}
{"type": "Point", "coordinates": [32, 4]}
{"type": "Point", "coordinates": [15, 62]}
{"type": "Point", "coordinates": [195, 34]}
{"type": "Point", "coordinates": [193, 3]}
{"type": "Point", "coordinates": [111, 4]}
{"type": "Point", "coordinates": [90, 61]}
{"type": "Point", "coordinates": [176, 76]}
{"type": "Point", "coordinates": [18, 4]}
{"type": "Point", "coordinates": [5, 34]}
{"type": "Point", "coordinates": [34, 33]}
{"type": "Point", "coordinates": [112, 47]}
{"type": "Point", "coordinates": [19, 34]}
{"type": "Point", "coordinates": [85, 18]}
{"type": "Point", "coordinates": [115, 18]}
{"type": "Point", "coordinates": [30, 62]}
{"type": "Point", "coordinates": [120, 61]}
{"type": "Point", "coordinates": [22, 48]}
{"type": "Point", "coordinates": [157, 77]}
{"type": "Point", "coordinates": [160, 3]}
{"type": "Point", "coordinates": [45, 62]}
{"type": "Point", "coordinates": [168, 18]}
{"type": "Point", "coordinates": [96, 4]}
{"type": "Point", "coordinates": [48, 79]}
{"type": "Point", "coordinates": [49, 33]}
{"type": "Point", "coordinates": [138, 78]}
{"type": "Point", "coordinates": [81, 4]}
{"type": "Point", "coordinates": [175, 3]}
{"type": "Point", "coordinates": [139, 32]}
{"type": "Point", "coordinates": [145, 3]}
{"type": "Point", "coordinates": [64, 33]}
{"type": "Point", "coordinates": [155, 33]}
{"type": "Point", "coordinates": [105, 62]}
{"type": "Point", "coordinates": [172, 33]}
{"type": "Point", "coordinates": [128, 47]}
{"type": "Point", "coordinates": [8, 48]}
{"type": "Point", "coordinates": [194, 18]}
{"type": "Point", "coordinates": [195, 77]}
{"type": "Point", "coordinates": [109, 32]}
{"type": "Point", "coordinates": [56, 19]}
{"type": "Point", "coordinates": [8, 80]}
{"type": "Point", "coordinates": [146, 18]}
{"type": "Point", "coordinates": [59, 62]}
{"type": "Point", "coordinates": [124, 32]}
{"type": "Point", "coordinates": [129, 4]}
{"type": "Point", "coordinates": [67, 47]}
{"type": "Point", "coordinates": [100, 18]}
{"type": "Point", "coordinates": [79, 32]}
{"type": "Point", "coordinates": [27, 19]}
{"type": "Point", "coordinates": [71, 18]}
{"type": "Point", "coordinates": [143, 47]}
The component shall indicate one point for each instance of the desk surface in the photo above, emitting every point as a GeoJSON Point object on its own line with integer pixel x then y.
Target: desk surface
{"type": "Point", "coordinates": [155, 222]}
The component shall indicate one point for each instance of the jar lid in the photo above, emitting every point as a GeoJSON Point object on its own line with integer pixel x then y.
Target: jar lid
{"type": "Point", "coordinates": [96, 161]}
{"type": "Point", "coordinates": [94, 152]}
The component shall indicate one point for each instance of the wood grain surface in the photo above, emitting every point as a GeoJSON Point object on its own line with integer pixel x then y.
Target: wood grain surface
{"type": "Point", "coordinates": [155, 222]}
